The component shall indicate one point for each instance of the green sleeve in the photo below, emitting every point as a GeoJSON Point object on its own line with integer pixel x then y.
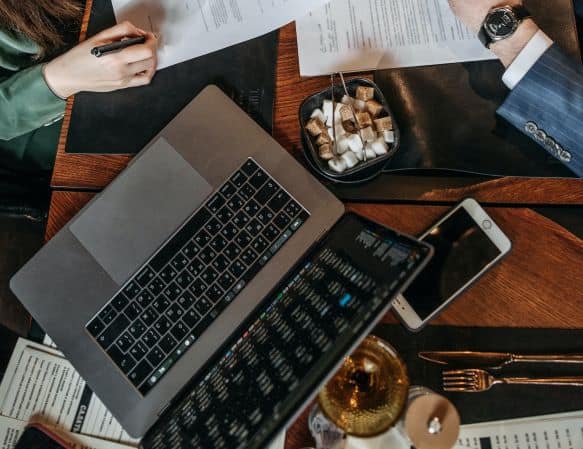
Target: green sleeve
{"type": "Point", "coordinates": [27, 103]}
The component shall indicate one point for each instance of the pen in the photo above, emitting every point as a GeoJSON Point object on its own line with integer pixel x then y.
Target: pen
{"type": "Point", "coordinates": [116, 46]}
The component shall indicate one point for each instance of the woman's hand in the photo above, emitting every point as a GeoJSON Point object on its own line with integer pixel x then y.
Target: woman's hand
{"type": "Point", "coordinates": [473, 12]}
{"type": "Point", "coordinates": [78, 70]}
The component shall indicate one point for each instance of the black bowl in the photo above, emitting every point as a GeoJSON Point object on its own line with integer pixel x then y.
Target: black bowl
{"type": "Point", "coordinates": [367, 169]}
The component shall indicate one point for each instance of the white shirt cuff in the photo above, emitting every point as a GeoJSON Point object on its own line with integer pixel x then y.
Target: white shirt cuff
{"type": "Point", "coordinates": [530, 54]}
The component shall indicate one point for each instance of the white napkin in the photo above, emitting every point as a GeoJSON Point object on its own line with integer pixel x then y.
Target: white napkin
{"type": "Point", "coordinates": [389, 440]}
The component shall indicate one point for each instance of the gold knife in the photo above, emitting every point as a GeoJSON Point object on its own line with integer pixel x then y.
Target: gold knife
{"type": "Point", "coordinates": [495, 360]}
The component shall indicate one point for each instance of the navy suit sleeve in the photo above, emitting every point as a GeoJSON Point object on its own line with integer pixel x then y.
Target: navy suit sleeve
{"type": "Point", "coordinates": [547, 105]}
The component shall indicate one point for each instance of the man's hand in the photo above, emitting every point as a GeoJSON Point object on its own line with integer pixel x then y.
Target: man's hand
{"type": "Point", "coordinates": [473, 12]}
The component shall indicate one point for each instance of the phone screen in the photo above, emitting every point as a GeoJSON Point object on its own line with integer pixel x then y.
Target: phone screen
{"type": "Point", "coordinates": [462, 250]}
{"type": "Point", "coordinates": [34, 438]}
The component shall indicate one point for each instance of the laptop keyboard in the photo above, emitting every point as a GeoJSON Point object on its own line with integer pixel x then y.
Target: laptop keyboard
{"type": "Point", "coordinates": [237, 400]}
{"type": "Point", "coordinates": [148, 325]}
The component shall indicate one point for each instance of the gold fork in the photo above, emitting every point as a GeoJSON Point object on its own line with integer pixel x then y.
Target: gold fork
{"type": "Point", "coordinates": [476, 380]}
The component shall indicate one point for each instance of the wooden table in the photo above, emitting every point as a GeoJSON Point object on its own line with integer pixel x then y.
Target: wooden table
{"type": "Point", "coordinates": [540, 284]}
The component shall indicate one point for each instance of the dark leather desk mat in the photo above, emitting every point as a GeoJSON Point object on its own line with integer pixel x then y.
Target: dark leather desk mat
{"type": "Point", "coordinates": [447, 113]}
{"type": "Point", "coordinates": [501, 402]}
{"type": "Point", "coordinates": [124, 121]}
{"type": "Point", "coordinates": [7, 342]}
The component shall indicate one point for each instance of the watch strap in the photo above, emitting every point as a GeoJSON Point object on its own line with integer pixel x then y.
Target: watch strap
{"type": "Point", "coordinates": [520, 12]}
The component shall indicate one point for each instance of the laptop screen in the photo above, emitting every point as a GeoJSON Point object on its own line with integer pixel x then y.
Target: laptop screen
{"type": "Point", "coordinates": [293, 340]}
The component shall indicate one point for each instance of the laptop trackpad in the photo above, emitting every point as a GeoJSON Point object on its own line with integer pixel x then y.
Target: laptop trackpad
{"type": "Point", "coordinates": [140, 210]}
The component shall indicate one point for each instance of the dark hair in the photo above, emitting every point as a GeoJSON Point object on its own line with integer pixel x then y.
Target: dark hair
{"type": "Point", "coordinates": [45, 22]}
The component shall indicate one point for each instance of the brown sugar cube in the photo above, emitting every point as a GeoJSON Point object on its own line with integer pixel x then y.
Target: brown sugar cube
{"type": "Point", "coordinates": [364, 93]}
{"type": "Point", "coordinates": [349, 126]}
{"type": "Point", "coordinates": [368, 134]}
{"type": "Point", "coordinates": [374, 108]}
{"type": "Point", "coordinates": [364, 119]}
{"type": "Point", "coordinates": [383, 124]}
{"type": "Point", "coordinates": [323, 139]}
{"type": "Point", "coordinates": [325, 152]}
{"type": "Point", "coordinates": [315, 127]}
{"type": "Point", "coordinates": [346, 113]}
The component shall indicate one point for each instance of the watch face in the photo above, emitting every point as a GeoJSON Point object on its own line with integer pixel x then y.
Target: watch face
{"type": "Point", "coordinates": [501, 23]}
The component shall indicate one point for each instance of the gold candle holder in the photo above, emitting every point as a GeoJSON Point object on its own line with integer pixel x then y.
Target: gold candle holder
{"type": "Point", "coordinates": [368, 393]}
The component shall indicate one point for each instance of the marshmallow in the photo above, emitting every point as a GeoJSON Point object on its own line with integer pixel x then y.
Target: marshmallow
{"type": "Point", "coordinates": [383, 124]}
{"type": "Point", "coordinates": [328, 108]}
{"type": "Point", "coordinates": [338, 165]}
{"type": "Point", "coordinates": [374, 108]}
{"type": "Point", "coordinates": [354, 143]}
{"type": "Point", "coordinates": [359, 105]}
{"type": "Point", "coordinates": [347, 100]}
{"type": "Point", "coordinates": [342, 145]}
{"type": "Point", "coordinates": [350, 158]}
{"type": "Point", "coordinates": [363, 119]}
{"type": "Point", "coordinates": [389, 136]}
{"type": "Point", "coordinates": [325, 152]}
{"type": "Point", "coordinates": [379, 146]}
{"type": "Point", "coordinates": [339, 129]}
{"type": "Point", "coordinates": [315, 127]}
{"type": "Point", "coordinates": [370, 154]}
{"type": "Point", "coordinates": [368, 134]}
{"type": "Point", "coordinates": [359, 155]}
{"type": "Point", "coordinates": [317, 113]}
{"type": "Point", "coordinates": [323, 139]}
{"type": "Point", "coordinates": [349, 126]}
{"type": "Point", "coordinates": [364, 93]}
{"type": "Point", "coordinates": [338, 113]}
{"type": "Point", "coordinates": [346, 113]}
{"type": "Point", "coordinates": [330, 134]}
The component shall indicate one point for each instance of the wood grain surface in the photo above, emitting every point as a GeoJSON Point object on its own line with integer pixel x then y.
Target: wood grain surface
{"type": "Point", "coordinates": [538, 285]}
{"type": "Point", "coordinates": [85, 171]}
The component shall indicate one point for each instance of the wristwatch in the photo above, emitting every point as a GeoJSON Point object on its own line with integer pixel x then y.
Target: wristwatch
{"type": "Point", "coordinates": [501, 23]}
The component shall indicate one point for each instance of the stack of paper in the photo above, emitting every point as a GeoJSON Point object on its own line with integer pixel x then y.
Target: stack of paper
{"type": "Point", "coordinates": [40, 385]}
{"type": "Point", "coordinates": [351, 35]}
{"type": "Point", "coordinates": [191, 28]}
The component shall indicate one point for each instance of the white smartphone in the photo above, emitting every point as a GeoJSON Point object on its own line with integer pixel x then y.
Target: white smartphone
{"type": "Point", "coordinates": [467, 243]}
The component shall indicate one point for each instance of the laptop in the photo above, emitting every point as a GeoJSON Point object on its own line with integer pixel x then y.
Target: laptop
{"type": "Point", "coordinates": [210, 289]}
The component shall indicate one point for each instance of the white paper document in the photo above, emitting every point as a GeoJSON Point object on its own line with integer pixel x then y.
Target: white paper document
{"type": "Point", "coordinates": [354, 35]}
{"type": "Point", "coordinates": [40, 385]}
{"type": "Point", "coordinates": [559, 431]}
{"type": "Point", "coordinates": [191, 28]}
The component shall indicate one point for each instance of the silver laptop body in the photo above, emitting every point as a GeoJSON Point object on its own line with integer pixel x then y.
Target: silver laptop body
{"type": "Point", "coordinates": [69, 281]}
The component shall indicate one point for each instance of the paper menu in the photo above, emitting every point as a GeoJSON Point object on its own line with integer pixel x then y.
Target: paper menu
{"type": "Point", "coordinates": [11, 429]}
{"type": "Point", "coordinates": [353, 35]}
{"type": "Point", "coordinates": [558, 431]}
{"type": "Point", "coordinates": [39, 384]}
{"type": "Point", "coordinates": [191, 28]}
